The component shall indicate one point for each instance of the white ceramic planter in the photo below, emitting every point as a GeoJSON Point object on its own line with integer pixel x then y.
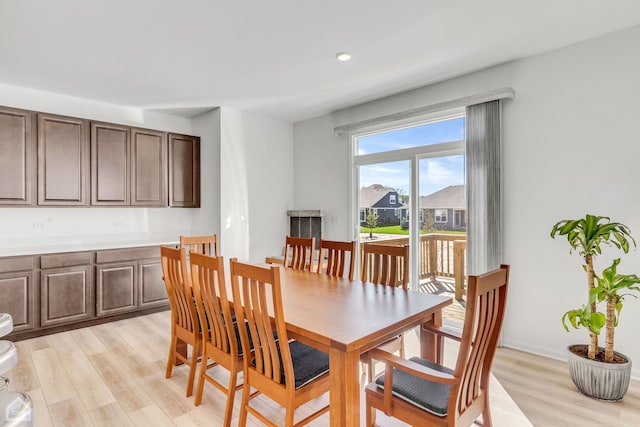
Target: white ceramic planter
{"type": "Point", "coordinates": [603, 381]}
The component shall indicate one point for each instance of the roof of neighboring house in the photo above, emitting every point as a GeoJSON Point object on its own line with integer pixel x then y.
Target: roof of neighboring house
{"type": "Point", "coordinates": [372, 194]}
{"type": "Point", "coordinates": [451, 197]}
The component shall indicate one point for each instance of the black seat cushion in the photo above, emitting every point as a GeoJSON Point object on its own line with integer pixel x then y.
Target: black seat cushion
{"type": "Point", "coordinates": [308, 363]}
{"type": "Point", "coordinates": [430, 396]}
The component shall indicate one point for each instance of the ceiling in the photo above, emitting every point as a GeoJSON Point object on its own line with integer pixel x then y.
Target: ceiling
{"type": "Point", "coordinates": [277, 57]}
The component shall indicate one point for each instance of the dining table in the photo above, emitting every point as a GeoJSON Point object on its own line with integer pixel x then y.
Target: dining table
{"type": "Point", "coordinates": [348, 317]}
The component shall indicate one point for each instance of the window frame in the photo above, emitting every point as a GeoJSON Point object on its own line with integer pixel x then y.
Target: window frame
{"type": "Point", "coordinates": [413, 155]}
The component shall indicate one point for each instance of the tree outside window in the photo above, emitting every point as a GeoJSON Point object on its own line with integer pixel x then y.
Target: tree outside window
{"type": "Point", "coordinates": [371, 221]}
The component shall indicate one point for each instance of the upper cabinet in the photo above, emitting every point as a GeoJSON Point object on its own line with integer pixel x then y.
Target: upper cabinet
{"type": "Point", "coordinates": [17, 161]}
{"type": "Point", "coordinates": [110, 154]}
{"type": "Point", "coordinates": [148, 167]}
{"type": "Point", "coordinates": [184, 171]}
{"type": "Point", "coordinates": [52, 160]}
{"type": "Point", "coordinates": [63, 153]}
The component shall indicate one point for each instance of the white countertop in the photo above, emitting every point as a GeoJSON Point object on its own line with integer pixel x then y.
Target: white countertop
{"type": "Point", "coordinates": [79, 244]}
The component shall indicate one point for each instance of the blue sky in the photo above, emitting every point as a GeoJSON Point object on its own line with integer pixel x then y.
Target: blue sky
{"type": "Point", "coordinates": [435, 173]}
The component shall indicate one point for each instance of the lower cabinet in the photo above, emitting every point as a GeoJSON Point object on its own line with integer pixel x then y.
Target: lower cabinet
{"type": "Point", "coordinates": [116, 289]}
{"type": "Point", "coordinates": [53, 292]}
{"type": "Point", "coordinates": [17, 292]}
{"type": "Point", "coordinates": [153, 292]}
{"type": "Point", "coordinates": [66, 295]}
{"type": "Point", "coordinates": [132, 280]}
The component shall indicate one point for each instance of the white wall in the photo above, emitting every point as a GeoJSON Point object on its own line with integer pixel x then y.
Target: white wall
{"type": "Point", "coordinates": [74, 227]}
{"type": "Point", "coordinates": [256, 184]}
{"type": "Point", "coordinates": [321, 170]}
{"type": "Point", "coordinates": [206, 220]}
{"type": "Point", "coordinates": [569, 148]}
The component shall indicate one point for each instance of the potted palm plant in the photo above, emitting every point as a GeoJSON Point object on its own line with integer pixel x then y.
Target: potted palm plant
{"type": "Point", "coordinates": [601, 373]}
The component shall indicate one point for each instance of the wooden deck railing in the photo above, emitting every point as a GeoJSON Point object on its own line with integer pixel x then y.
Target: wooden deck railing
{"type": "Point", "coordinates": [442, 255]}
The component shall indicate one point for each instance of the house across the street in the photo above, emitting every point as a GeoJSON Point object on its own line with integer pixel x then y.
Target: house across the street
{"type": "Point", "coordinates": [447, 208]}
{"type": "Point", "coordinates": [385, 202]}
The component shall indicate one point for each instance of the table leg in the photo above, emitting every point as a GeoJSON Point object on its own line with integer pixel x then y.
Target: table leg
{"type": "Point", "coordinates": [344, 389]}
{"type": "Point", "coordinates": [432, 345]}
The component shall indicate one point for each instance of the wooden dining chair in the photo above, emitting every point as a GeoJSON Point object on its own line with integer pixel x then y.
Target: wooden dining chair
{"type": "Point", "coordinates": [421, 392]}
{"type": "Point", "coordinates": [384, 265]}
{"type": "Point", "coordinates": [335, 257]}
{"type": "Point", "coordinates": [207, 245]}
{"type": "Point", "coordinates": [299, 253]}
{"type": "Point", "coordinates": [220, 339]}
{"type": "Point", "coordinates": [289, 373]}
{"type": "Point", "coordinates": [184, 319]}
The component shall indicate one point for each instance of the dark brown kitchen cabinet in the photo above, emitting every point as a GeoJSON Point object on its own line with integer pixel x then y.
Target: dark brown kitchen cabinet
{"type": "Point", "coordinates": [18, 158]}
{"type": "Point", "coordinates": [148, 167]}
{"type": "Point", "coordinates": [53, 160]}
{"type": "Point", "coordinates": [50, 293]}
{"type": "Point", "coordinates": [63, 153]}
{"type": "Point", "coordinates": [152, 290]}
{"type": "Point", "coordinates": [184, 171]}
{"type": "Point", "coordinates": [17, 292]}
{"type": "Point", "coordinates": [116, 288]}
{"type": "Point", "coordinates": [110, 159]}
{"type": "Point", "coordinates": [127, 280]}
{"type": "Point", "coordinates": [66, 288]}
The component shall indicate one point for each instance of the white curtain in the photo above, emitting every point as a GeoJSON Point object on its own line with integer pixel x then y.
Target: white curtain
{"type": "Point", "coordinates": [483, 153]}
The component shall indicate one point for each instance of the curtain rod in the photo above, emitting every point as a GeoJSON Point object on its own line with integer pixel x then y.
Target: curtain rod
{"type": "Point", "coordinates": [492, 95]}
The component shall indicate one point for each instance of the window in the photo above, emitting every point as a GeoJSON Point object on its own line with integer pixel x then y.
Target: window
{"type": "Point", "coordinates": [440, 215]}
{"type": "Point", "coordinates": [363, 215]}
{"type": "Point", "coordinates": [410, 164]}
{"type": "Point", "coordinates": [447, 130]}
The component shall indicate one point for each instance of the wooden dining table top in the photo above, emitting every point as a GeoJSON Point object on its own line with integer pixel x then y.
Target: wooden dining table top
{"type": "Point", "coordinates": [350, 315]}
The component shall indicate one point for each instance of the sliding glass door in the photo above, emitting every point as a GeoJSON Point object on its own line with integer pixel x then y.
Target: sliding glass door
{"type": "Point", "coordinates": [409, 188]}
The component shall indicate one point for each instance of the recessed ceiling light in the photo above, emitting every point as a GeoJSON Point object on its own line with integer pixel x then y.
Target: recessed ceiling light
{"type": "Point", "coordinates": [343, 56]}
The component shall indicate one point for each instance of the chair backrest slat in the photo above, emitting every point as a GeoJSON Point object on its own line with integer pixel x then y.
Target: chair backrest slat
{"type": "Point", "coordinates": [385, 264]}
{"type": "Point", "coordinates": [258, 300]}
{"type": "Point", "coordinates": [486, 299]}
{"type": "Point", "coordinates": [210, 289]}
{"type": "Point", "coordinates": [299, 253]}
{"type": "Point", "coordinates": [336, 257]}
{"type": "Point", "coordinates": [179, 290]}
{"type": "Point", "coordinates": [207, 245]}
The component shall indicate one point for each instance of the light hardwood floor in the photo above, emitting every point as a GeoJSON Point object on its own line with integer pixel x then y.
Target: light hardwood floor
{"type": "Point", "coordinates": [113, 375]}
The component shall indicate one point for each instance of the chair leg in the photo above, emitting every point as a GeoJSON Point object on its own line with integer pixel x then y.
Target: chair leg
{"type": "Point", "coordinates": [486, 416]}
{"type": "Point", "coordinates": [288, 418]}
{"type": "Point", "coordinates": [195, 351]}
{"type": "Point", "coordinates": [402, 346]}
{"type": "Point", "coordinates": [172, 356]}
{"type": "Point", "coordinates": [370, 415]}
{"type": "Point", "coordinates": [200, 386]}
{"type": "Point", "coordinates": [246, 391]}
{"type": "Point", "coordinates": [231, 394]}
{"type": "Point", "coordinates": [371, 370]}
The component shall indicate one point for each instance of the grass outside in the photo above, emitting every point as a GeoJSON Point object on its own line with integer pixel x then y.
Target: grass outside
{"type": "Point", "coordinates": [395, 229]}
